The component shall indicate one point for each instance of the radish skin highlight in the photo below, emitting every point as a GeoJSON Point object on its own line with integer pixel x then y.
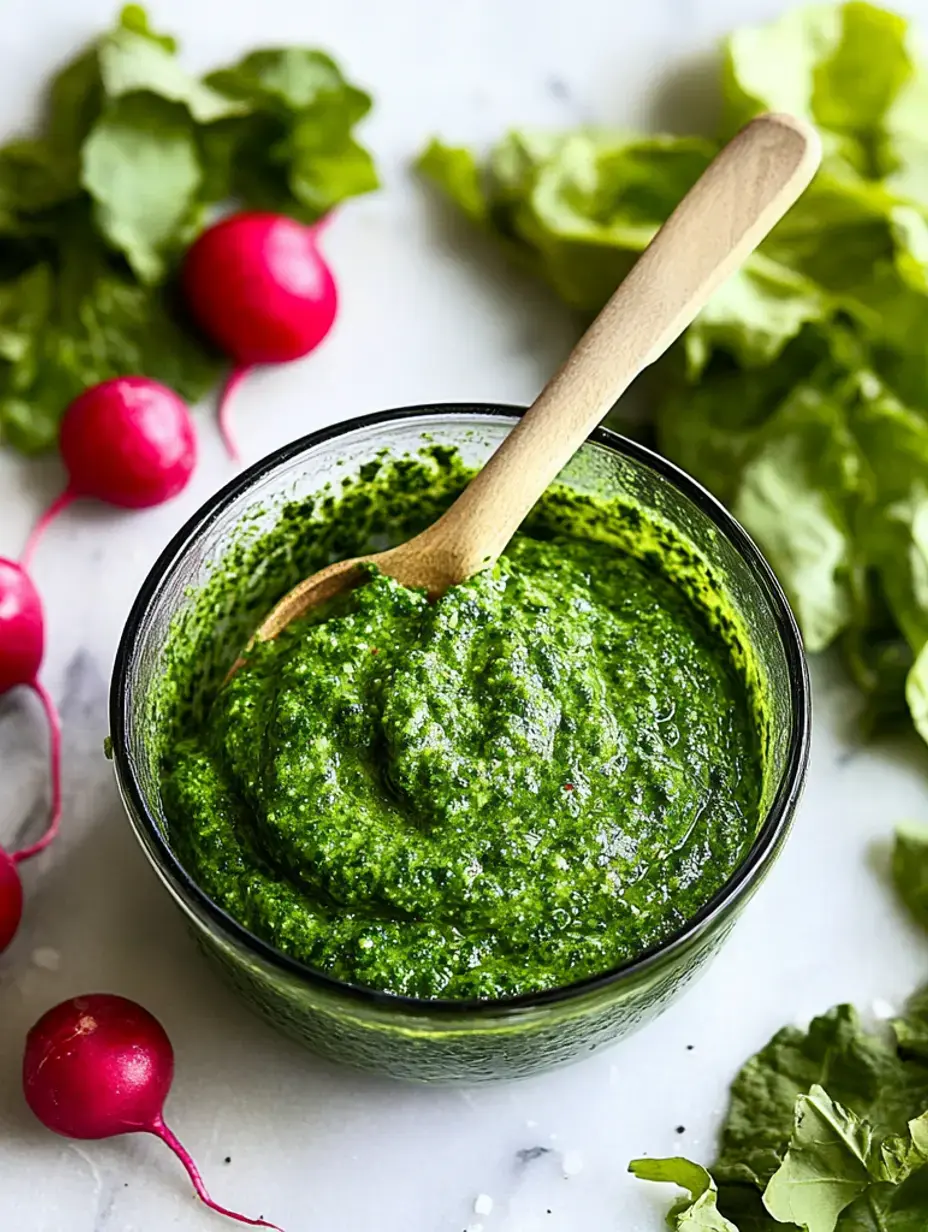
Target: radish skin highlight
{"type": "Point", "coordinates": [259, 287]}
{"type": "Point", "coordinates": [22, 647]}
{"type": "Point", "coordinates": [128, 442]}
{"type": "Point", "coordinates": [99, 1066]}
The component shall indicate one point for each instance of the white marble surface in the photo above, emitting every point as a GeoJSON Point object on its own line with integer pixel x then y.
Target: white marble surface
{"type": "Point", "coordinates": [428, 314]}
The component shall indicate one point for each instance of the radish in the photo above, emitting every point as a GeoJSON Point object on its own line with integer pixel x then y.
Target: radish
{"type": "Point", "coordinates": [11, 899]}
{"type": "Point", "coordinates": [258, 286]}
{"type": "Point", "coordinates": [129, 442]}
{"type": "Point", "coordinates": [99, 1066]}
{"type": "Point", "coordinates": [22, 644]}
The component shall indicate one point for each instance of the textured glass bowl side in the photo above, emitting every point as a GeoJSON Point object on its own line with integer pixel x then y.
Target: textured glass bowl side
{"type": "Point", "coordinates": [466, 1041]}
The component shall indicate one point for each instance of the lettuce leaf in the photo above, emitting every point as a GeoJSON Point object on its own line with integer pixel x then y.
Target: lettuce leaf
{"type": "Point", "coordinates": [800, 393]}
{"type": "Point", "coordinates": [834, 1158]}
{"type": "Point", "coordinates": [96, 210]}
{"type": "Point", "coordinates": [576, 210]}
{"type": "Point", "coordinates": [910, 875]}
{"type": "Point", "coordinates": [700, 1212]}
{"type": "Point", "coordinates": [78, 318]}
{"type": "Point", "coordinates": [826, 1129]}
{"type": "Point", "coordinates": [295, 152]}
{"type": "Point", "coordinates": [850, 1157]}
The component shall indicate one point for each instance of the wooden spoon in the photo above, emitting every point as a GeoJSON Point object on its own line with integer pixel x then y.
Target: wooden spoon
{"type": "Point", "coordinates": [743, 192]}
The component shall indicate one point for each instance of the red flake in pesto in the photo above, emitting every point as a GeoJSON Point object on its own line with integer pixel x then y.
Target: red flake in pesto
{"type": "Point", "coordinates": [568, 786]}
{"type": "Point", "coordinates": [374, 650]}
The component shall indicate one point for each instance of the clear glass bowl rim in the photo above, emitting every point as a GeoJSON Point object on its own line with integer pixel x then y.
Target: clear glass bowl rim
{"type": "Point", "coordinates": [765, 846]}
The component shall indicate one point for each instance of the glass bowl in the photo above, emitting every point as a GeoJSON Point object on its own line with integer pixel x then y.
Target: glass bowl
{"type": "Point", "coordinates": [447, 1040]}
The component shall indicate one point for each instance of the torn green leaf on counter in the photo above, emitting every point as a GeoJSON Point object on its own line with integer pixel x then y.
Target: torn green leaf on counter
{"type": "Point", "coordinates": [826, 1129]}
{"type": "Point", "coordinates": [96, 211]}
{"type": "Point", "coordinates": [698, 1214]}
{"type": "Point", "coordinates": [802, 388]}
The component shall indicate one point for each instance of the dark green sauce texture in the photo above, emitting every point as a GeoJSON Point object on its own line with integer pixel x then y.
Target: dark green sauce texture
{"type": "Point", "coordinates": [526, 783]}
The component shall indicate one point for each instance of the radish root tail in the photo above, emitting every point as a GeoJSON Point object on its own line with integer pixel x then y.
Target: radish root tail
{"type": "Point", "coordinates": [160, 1130]}
{"type": "Point", "coordinates": [235, 379]}
{"type": "Point", "coordinates": [54, 757]}
{"type": "Point", "coordinates": [57, 506]}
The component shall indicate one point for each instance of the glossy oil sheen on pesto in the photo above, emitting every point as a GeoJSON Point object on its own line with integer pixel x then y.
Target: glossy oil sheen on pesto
{"type": "Point", "coordinates": [528, 782]}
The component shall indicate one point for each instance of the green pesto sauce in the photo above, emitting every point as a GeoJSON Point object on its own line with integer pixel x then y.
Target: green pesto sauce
{"type": "Point", "coordinates": [528, 782]}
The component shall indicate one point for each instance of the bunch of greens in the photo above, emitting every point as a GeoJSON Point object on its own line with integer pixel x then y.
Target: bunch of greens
{"type": "Point", "coordinates": [800, 395]}
{"type": "Point", "coordinates": [826, 1129]}
{"type": "Point", "coordinates": [96, 210]}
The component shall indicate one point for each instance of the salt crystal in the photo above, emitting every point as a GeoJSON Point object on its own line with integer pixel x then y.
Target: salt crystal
{"type": "Point", "coordinates": [483, 1204]}
{"type": "Point", "coordinates": [46, 958]}
{"type": "Point", "coordinates": [883, 1010]}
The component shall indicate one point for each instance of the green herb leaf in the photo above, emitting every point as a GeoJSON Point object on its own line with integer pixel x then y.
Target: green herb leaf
{"type": "Point", "coordinates": [826, 1129]}
{"type": "Point", "coordinates": [577, 209]}
{"type": "Point", "coordinates": [96, 210]}
{"type": "Point", "coordinates": [141, 165]}
{"type": "Point", "coordinates": [834, 1158]}
{"type": "Point", "coordinates": [910, 871]}
{"type": "Point", "coordinates": [849, 1157]}
{"type": "Point", "coordinates": [826, 1166]}
{"type": "Point", "coordinates": [67, 325]}
{"type": "Point", "coordinates": [697, 1214]}
{"type": "Point", "coordinates": [795, 493]}
{"type": "Point", "coordinates": [133, 60]}
{"type": "Point", "coordinates": [842, 66]}
{"type": "Point", "coordinates": [297, 152]}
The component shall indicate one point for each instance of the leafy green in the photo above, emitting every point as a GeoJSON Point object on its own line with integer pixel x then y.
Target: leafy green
{"type": "Point", "coordinates": [700, 1213]}
{"type": "Point", "coordinates": [860, 1070]}
{"type": "Point", "coordinates": [577, 209]}
{"type": "Point", "coordinates": [132, 60]}
{"type": "Point", "coordinates": [910, 869]}
{"type": "Point", "coordinates": [834, 1158]}
{"type": "Point", "coordinates": [795, 492]}
{"type": "Point", "coordinates": [825, 1129]}
{"type": "Point", "coordinates": [65, 327]}
{"type": "Point", "coordinates": [296, 152]}
{"type": "Point", "coordinates": [96, 210]}
{"type": "Point", "coordinates": [841, 66]}
{"type": "Point", "coordinates": [142, 167]}
{"type": "Point", "coordinates": [800, 393]}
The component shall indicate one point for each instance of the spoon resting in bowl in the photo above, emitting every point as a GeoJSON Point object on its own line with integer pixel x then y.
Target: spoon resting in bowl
{"type": "Point", "coordinates": [737, 200]}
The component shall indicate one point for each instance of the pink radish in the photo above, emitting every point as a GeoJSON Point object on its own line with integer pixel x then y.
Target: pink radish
{"type": "Point", "coordinates": [259, 287]}
{"type": "Point", "coordinates": [128, 442]}
{"type": "Point", "coordinates": [11, 899]}
{"type": "Point", "coordinates": [99, 1066]}
{"type": "Point", "coordinates": [22, 644]}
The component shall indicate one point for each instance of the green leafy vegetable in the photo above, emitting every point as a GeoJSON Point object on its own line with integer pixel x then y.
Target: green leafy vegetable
{"type": "Point", "coordinates": [700, 1213]}
{"type": "Point", "coordinates": [142, 167]}
{"type": "Point", "coordinates": [96, 210]}
{"type": "Point", "coordinates": [296, 153]}
{"type": "Point", "coordinates": [910, 869]}
{"type": "Point", "coordinates": [834, 1158]}
{"type": "Point", "coordinates": [800, 394]}
{"type": "Point", "coordinates": [827, 1129]}
{"type": "Point", "coordinates": [67, 327]}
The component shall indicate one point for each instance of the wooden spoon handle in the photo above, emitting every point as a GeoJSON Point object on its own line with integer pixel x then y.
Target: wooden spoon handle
{"type": "Point", "coordinates": [743, 192]}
